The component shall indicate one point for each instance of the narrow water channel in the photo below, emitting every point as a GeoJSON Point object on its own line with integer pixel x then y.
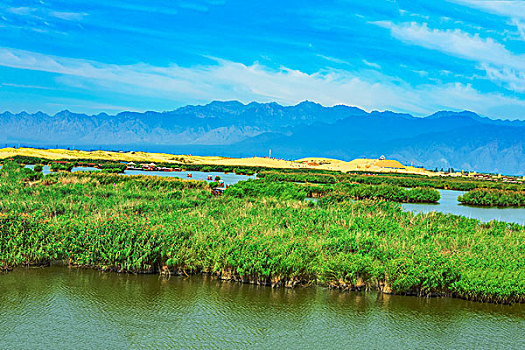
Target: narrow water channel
{"type": "Point", "coordinates": [228, 178]}
{"type": "Point", "coordinates": [449, 204]}
{"type": "Point", "coordinates": [61, 308]}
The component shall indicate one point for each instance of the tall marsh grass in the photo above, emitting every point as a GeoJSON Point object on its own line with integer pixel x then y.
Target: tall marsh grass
{"type": "Point", "coordinates": [133, 224]}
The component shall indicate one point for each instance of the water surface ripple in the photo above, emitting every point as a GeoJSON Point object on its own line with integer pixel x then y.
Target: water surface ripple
{"type": "Point", "coordinates": [61, 308]}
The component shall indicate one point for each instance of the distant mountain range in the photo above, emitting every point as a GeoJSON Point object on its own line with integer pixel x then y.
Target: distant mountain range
{"type": "Point", "coordinates": [461, 140]}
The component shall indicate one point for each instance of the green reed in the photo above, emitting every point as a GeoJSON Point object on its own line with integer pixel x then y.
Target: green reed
{"type": "Point", "coordinates": [143, 223]}
{"type": "Point", "coordinates": [491, 197]}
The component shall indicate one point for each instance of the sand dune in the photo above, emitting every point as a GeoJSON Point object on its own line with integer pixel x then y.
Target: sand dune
{"type": "Point", "coordinates": [372, 165]}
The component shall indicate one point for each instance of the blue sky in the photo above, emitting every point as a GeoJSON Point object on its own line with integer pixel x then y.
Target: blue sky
{"type": "Point", "coordinates": [406, 56]}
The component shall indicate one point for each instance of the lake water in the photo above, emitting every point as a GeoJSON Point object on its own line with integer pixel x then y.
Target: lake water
{"type": "Point", "coordinates": [61, 308]}
{"type": "Point", "coordinates": [449, 204]}
{"type": "Point", "coordinates": [46, 169]}
{"type": "Point", "coordinates": [229, 178]}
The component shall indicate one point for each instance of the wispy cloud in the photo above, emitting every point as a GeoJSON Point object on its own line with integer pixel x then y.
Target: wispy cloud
{"type": "Point", "coordinates": [68, 103]}
{"type": "Point", "coordinates": [511, 8]}
{"type": "Point", "coordinates": [43, 13]}
{"type": "Point", "coordinates": [226, 79]}
{"type": "Point", "coordinates": [24, 86]}
{"type": "Point", "coordinates": [333, 59]}
{"type": "Point", "coordinates": [372, 64]}
{"type": "Point", "coordinates": [500, 64]}
{"type": "Point", "coordinates": [454, 42]}
{"type": "Point", "coordinates": [68, 16]}
{"type": "Point", "coordinates": [22, 11]}
{"type": "Point", "coordinates": [515, 10]}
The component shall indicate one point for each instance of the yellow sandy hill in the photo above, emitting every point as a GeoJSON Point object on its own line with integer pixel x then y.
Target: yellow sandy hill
{"type": "Point", "coordinates": [387, 163]}
{"type": "Point", "coordinates": [373, 165]}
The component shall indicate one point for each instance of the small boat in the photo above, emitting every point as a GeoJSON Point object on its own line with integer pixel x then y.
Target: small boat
{"type": "Point", "coordinates": [189, 175]}
{"type": "Point", "coordinates": [210, 178]}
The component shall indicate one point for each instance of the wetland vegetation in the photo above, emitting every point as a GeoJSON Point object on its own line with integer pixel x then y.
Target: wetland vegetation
{"type": "Point", "coordinates": [264, 234]}
{"type": "Point", "coordinates": [493, 198]}
{"type": "Point", "coordinates": [406, 188]}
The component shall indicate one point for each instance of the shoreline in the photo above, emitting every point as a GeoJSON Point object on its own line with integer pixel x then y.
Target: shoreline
{"type": "Point", "coordinates": [379, 286]}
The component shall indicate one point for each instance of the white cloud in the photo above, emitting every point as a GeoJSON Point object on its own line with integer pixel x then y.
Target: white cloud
{"type": "Point", "coordinates": [45, 13]}
{"type": "Point", "coordinates": [455, 42]}
{"type": "Point", "coordinates": [25, 86]}
{"type": "Point", "coordinates": [490, 55]}
{"type": "Point", "coordinates": [22, 11]}
{"type": "Point", "coordinates": [68, 16]}
{"type": "Point", "coordinates": [512, 8]}
{"type": "Point", "coordinates": [333, 59]}
{"type": "Point", "coordinates": [520, 26]}
{"type": "Point", "coordinates": [225, 79]}
{"type": "Point", "coordinates": [515, 80]}
{"type": "Point", "coordinates": [372, 64]}
{"type": "Point", "coordinates": [515, 10]}
{"type": "Point", "coordinates": [70, 103]}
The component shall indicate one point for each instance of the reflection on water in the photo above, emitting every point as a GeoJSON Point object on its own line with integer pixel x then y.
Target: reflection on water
{"type": "Point", "coordinates": [69, 308]}
{"type": "Point", "coordinates": [449, 204]}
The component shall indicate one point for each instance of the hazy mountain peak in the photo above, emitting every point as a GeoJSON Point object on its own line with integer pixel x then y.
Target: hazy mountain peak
{"type": "Point", "coordinates": [307, 103]}
{"type": "Point", "coordinates": [447, 114]}
{"type": "Point", "coordinates": [391, 114]}
{"type": "Point", "coordinates": [64, 113]}
{"type": "Point", "coordinates": [226, 104]}
{"type": "Point", "coordinates": [231, 128]}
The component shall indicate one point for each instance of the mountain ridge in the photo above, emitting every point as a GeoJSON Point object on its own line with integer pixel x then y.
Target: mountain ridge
{"type": "Point", "coordinates": [444, 139]}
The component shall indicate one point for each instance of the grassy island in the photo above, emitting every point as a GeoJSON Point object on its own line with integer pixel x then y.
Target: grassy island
{"type": "Point", "coordinates": [401, 180]}
{"type": "Point", "coordinates": [266, 235]}
{"type": "Point", "coordinates": [493, 198]}
{"type": "Point", "coordinates": [339, 192]}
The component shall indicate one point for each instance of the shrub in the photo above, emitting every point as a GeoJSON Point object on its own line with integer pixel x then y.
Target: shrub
{"type": "Point", "coordinates": [38, 168]}
{"type": "Point", "coordinates": [490, 197]}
